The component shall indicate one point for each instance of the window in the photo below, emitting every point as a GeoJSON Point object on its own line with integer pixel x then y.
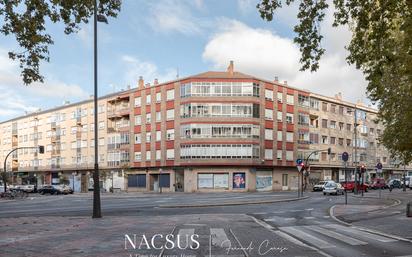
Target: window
{"type": "Point", "coordinates": [280, 97]}
{"type": "Point", "coordinates": [101, 124]}
{"type": "Point", "coordinates": [148, 155]}
{"type": "Point", "coordinates": [341, 110]}
{"type": "Point", "coordinates": [333, 108]}
{"type": "Point", "coordinates": [290, 99]}
{"type": "Point", "coordinates": [314, 138]}
{"type": "Point", "coordinates": [170, 114]}
{"type": "Point", "coordinates": [348, 127]}
{"type": "Point", "coordinates": [138, 120]}
{"type": "Point", "coordinates": [137, 138]}
{"type": "Point", "coordinates": [158, 154]}
{"type": "Point", "coordinates": [324, 156]}
{"type": "Point", "coordinates": [148, 118]}
{"type": "Point", "coordinates": [268, 134]}
{"type": "Point", "coordinates": [138, 156]}
{"type": "Point", "coordinates": [371, 131]}
{"type": "Point", "coordinates": [170, 134]}
{"type": "Point", "coordinates": [170, 95]}
{"type": "Point", "coordinates": [158, 97]}
{"type": "Point", "coordinates": [158, 135]}
{"type": "Point", "coordinates": [332, 124]}
{"type": "Point", "coordinates": [303, 119]}
{"type": "Point", "coordinates": [349, 111]}
{"type": "Point", "coordinates": [324, 106]}
{"type": "Point", "coordinates": [148, 99]}
{"type": "Point", "coordinates": [314, 104]}
{"type": "Point", "coordinates": [324, 123]}
{"type": "Point", "coordinates": [280, 115]}
{"type": "Point", "coordinates": [170, 154]}
{"type": "Point", "coordinates": [303, 100]}
{"type": "Point", "coordinates": [269, 94]}
{"type": "Point", "coordinates": [137, 101]}
{"type": "Point", "coordinates": [218, 89]}
{"type": "Point", "coordinates": [332, 140]}
{"type": "Point", "coordinates": [289, 118]}
{"type": "Point", "coordinates": [341, 141]}
{"type": "Point", "coordinates": [158, 116]}
{"type": "Point", "coordinates": [348, 142]}
{"type": "Point", "coordinates": [289, 155]}
{"type": "Point", "coordinates": [269, 154]}
{"type": "Point", "coordinates": [268, 114]}
{"type": "Point", "coordinates": [279, 136]}
{"type": "Point", "coordinates": [148, 137]}
{"type": "Point", "coordinates": [279, 154]}
{"type": "Point", "coordinates": [324, 140]}
{"type": "Point", "coordinates": [219, 151]}
{"type": "Point", "coordinates": [289, 136]}
{"type": "Point", "coordinates": [340, 126]}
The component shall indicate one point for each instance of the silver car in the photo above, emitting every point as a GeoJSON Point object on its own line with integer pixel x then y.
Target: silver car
{"type": "Point", "coordinates": [333, 188]}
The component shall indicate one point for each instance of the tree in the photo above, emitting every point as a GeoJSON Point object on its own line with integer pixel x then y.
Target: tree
{"type": "Point", "coordinates": [27, 21]}
{"type": "Point", "coordinates": [381, 46]}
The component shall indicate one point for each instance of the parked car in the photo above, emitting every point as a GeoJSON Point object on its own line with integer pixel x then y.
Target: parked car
{"type": "Point", "coordinates": [379, 183]}
{"type": "Point", "coordinates": [350, 186]}
{"type": "Point", "coordinates": [50, 189]}
{"type": "Point", "coordinates": [320, 185]}
{"type": "Point", "coordinates": [407, 181]}
{"type": "Point", "coordinates": [332, 187]}
{"type": "Point", "coordinates": [67, 189]}
{"type": "Point", "coordinates": [394, 183]}
{"type": "Point", "coordinates": [25, 188]}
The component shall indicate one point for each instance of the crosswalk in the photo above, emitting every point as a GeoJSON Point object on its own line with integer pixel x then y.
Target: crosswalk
{"type": "Point", "coordinates": [330, 235]}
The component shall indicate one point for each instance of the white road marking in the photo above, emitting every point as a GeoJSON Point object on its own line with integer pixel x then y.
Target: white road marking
{"type": "Point", "coordinates": [295, 231]}
{"type": "Point", "coordinates": [219, 237]}
{"type": "Point", "coordinates": [360, 233]}
{"type": "Point", "coordinates": [309, 218]}
{"type": "Point", "coordinates": [341, 237]}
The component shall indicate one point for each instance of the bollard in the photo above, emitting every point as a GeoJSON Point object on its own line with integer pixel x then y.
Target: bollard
{"type": "Point", "coordinates": [409, 209]}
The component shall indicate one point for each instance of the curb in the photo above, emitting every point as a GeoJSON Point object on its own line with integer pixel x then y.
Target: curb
{"type": "Point", "coordinates": [232, 204]}
{"type": "Point", "coordinates": [331, 214]}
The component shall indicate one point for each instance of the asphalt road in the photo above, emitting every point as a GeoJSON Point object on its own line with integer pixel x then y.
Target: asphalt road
{"type": "Point", "coordinates": [296, 228]}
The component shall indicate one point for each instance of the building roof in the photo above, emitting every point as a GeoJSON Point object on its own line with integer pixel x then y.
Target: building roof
{"type": "Point", "coordinates": [222, 75]}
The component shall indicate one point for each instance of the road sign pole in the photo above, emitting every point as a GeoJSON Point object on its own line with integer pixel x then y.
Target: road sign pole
{"type": "Point", "coordinates": [346, 184]}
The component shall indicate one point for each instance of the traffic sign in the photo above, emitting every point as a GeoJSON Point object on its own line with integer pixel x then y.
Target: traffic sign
{"type": "Point", "coordinates": [299, 161]}
{"type": "Point", "coordinates": [300, 167]}
{"type": "Point", "coordinates": [345, 156]}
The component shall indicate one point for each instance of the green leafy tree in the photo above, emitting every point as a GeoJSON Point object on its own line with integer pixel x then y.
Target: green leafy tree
{"type": "Point", "coordinates": [381, 46]}
{"type": "Point", "coordinates": [26, 21]}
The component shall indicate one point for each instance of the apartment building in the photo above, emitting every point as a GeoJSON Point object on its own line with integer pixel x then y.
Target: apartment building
{"type": "Point", "coordinates": [214, 131]}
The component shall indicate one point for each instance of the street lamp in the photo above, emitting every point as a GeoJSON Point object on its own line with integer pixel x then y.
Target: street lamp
{"type": "Point", "coordinates": [97, 212]}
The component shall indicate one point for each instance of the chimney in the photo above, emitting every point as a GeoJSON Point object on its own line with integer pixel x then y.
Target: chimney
{"type": "Point", "coordinates": [156, 82]}
{"type": "Point", "coordinates": [141, 83]}
{"type": "Point", "coordinates": [285, 82]}
{"type": "Point", "coordinates": [339, 96]}
{"type": "Point", "coordinates": [230, 68]}
{"type": "Point", "coordinates": [276, 79]}
{"type": "Point", "coordinates": [147, 85]}
{"type": "Point", "coordinates": [128, 87]}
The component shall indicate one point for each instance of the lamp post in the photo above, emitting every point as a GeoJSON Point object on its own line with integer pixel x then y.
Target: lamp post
{"type": "Point", "coordinates": [97, 212]}
{"type": "Point", "coordinates": [160, 180]}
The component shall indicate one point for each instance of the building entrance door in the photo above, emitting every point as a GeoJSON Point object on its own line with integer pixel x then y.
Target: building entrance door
{"type": "Point", "coordinates": [179, 181]}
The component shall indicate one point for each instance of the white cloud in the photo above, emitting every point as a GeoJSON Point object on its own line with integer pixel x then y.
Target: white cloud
{"type": "Point", "coordinates": [264, 54]}
{"type": "Point", "coordinates": [148, 70]}
{"type": "Point", "coordinates": [174, 16]}
{"type": "Point", "coordinates": [16, 98]}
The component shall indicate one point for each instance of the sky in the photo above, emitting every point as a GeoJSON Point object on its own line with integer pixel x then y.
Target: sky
{"type": "Point", "coordinates": [164, 39]}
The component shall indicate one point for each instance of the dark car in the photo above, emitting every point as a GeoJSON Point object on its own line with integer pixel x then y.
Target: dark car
{"type": "Point", "coordinates": [395, 183]}
{"type": "Point", "coordinates": [350, 186]}
{"type": "Point", "coordinates": [379, 183]}
{"type": "Point", "coordinates": [49, 190]}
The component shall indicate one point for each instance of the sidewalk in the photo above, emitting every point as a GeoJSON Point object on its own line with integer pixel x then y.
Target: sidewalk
{"type": "Point", "coordinates": [385, 215]}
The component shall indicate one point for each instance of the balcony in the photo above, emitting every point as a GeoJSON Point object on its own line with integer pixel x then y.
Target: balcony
{"type": "Point", "coordinates": [118, 163]}
{"type": "Point", "coordinates": [53, 125]}
{"type": "Point", "coordinates": [118, 112]}
{"type": "Point", "coordinates": [55, 152]}
{"type": "Point", "coordinates": [55, 166]}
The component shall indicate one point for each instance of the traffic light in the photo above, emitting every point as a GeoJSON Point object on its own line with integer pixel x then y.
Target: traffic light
{"type": "Point", "coordinates": [329, 151]}
{"type": "Point", "coordinates": [41, 148]}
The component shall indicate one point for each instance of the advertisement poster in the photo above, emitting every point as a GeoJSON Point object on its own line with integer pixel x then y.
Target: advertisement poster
{"type": "Point", "coordinates": [239, 180]}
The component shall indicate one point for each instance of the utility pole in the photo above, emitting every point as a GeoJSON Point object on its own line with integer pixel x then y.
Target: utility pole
{"type": "Point", "coordinates": [356, 149]}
